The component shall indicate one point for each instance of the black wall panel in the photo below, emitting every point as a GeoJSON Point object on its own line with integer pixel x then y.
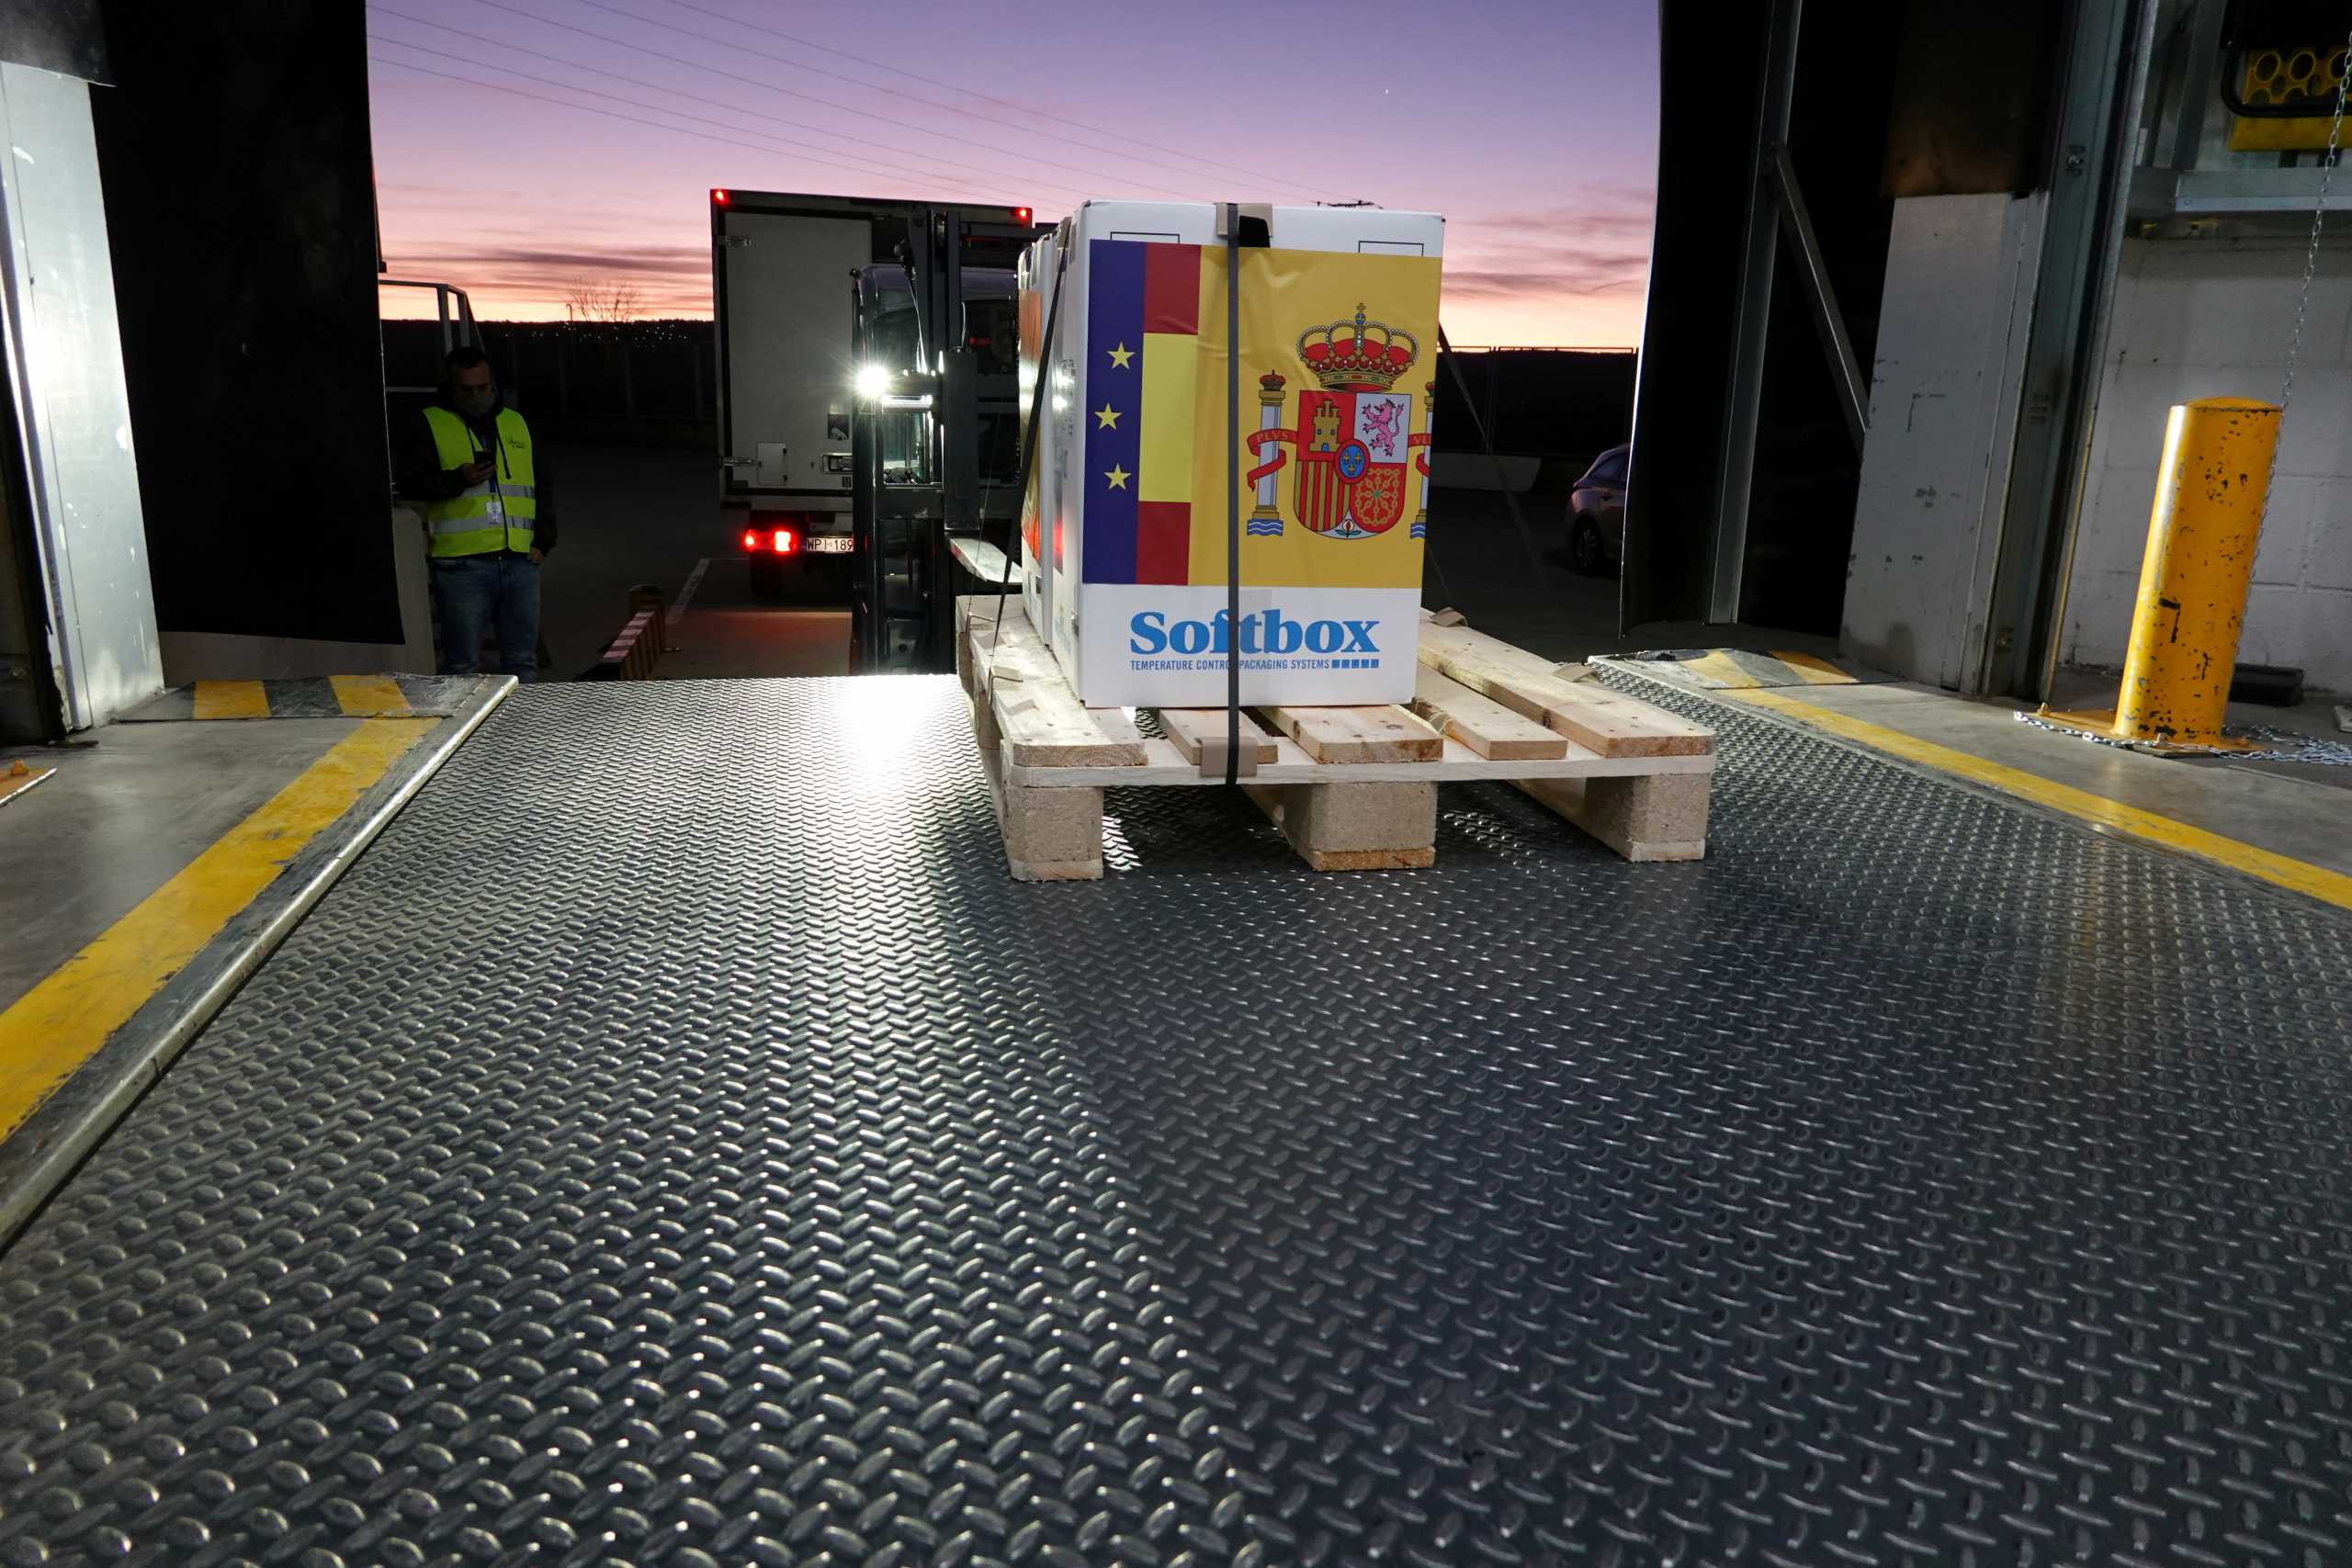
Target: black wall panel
{"type": "Point", "coordinates": [240, 212]}
{"type": "Point", "coordinates": [1693, 316]}
{"type": "Point", "coordinates": [64, 35]}
{"type": "Point", "coordinates": [1972, 98]}
{"type": "Point", "coordinates": [1801, 504]}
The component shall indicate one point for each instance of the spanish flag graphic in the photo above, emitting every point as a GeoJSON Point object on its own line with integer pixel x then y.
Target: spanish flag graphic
{"type": "Point", "coordinates": [1338, 356]}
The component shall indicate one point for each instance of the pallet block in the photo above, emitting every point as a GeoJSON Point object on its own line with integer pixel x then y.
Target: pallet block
{"type": "Point", "coordinates": [1050, 835]}
{"type": "Point", "coordinates": [1658, 817]}
{"type": "Point", "coordinates": [1355, 827]}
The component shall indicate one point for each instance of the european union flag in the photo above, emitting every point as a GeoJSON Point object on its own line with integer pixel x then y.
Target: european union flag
{"type": "Point", "coordinates": [1143, 338]}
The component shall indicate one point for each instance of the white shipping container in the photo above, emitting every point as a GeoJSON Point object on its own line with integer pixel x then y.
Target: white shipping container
{"type": "Point", "coordinates": [1125, 530]}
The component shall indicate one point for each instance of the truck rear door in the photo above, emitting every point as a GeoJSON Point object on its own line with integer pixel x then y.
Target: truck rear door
{"type": "Point", "coordinates": [783, 311]}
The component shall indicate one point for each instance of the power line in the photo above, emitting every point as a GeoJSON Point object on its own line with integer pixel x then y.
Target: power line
{"type": "Point", "coordinates": [796, 93]}
{"type": "Point", "coordinates": [681, 114]}
{"type": "Point", "coordinates": [609, 114]}
{"type": "Point", "coordinates": [657, 108]}
{"type": "Point", "coordinates": [1024, 109]}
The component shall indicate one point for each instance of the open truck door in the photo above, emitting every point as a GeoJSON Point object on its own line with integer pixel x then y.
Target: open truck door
{"type": "Point", "coordinates": [837, 321]}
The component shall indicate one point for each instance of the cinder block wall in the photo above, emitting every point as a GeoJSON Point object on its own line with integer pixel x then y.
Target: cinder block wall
{"type": "Point", "coordinates": [2210, 318]}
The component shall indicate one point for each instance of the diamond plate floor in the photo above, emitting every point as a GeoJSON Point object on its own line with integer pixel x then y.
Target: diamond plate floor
{"type": "Point", "coordinates": [678, 1142]}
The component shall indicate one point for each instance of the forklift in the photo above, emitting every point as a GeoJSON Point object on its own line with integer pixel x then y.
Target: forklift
{"type": "Point", "coordinates": [935, 429]}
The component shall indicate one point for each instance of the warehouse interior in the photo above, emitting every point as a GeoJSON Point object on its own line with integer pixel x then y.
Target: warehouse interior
{"type": "Point", "coordinates": [642, 1120]}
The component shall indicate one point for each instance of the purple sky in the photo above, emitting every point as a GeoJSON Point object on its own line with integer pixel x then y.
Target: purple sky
{"type": "Point", "coordinates": [1530, 125]}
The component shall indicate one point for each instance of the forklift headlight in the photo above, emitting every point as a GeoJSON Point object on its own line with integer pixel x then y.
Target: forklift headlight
{"type": "Point", "coordinates": [873, 380]}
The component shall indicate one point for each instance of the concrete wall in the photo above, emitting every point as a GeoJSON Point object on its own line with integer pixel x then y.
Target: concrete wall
{"type": "Point", "coordinates": [64, 359]}
{"type": "Point", "coordinates": [2206, 318]}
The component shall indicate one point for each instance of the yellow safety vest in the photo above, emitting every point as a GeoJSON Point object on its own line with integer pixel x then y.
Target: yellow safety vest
{"type": "Point", "coordinates": [495, 515]}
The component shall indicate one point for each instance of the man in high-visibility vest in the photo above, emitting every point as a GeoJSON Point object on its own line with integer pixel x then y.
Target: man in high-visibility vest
{"type": "Point", "coordinates": [489, 517]}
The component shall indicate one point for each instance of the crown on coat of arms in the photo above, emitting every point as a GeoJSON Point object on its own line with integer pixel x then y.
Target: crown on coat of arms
{"type": "Point", "coordinates": [1359, 356]}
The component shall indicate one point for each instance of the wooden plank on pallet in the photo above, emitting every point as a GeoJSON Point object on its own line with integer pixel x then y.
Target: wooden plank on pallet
{"type": "Point", "coordinates": [1044, 726]}
{"type": "Point", "coordinates": [1459, 638]}
{"type": "Point", "coordinates": [1616, 725]}
{"type": "Point", "coordinates": [1609, 723]}
{"type": "Point", "coordinates": [977, 613]}
{"type": "Point", "coordinates": [1164, 764]}
{"type": "Point", "coordinates": [1480, 723]}
{"type": "Point", "coordinates": [1373, 734]}
{"type": "Point", "coordinates": [1040, 718]}
{"type": "Point", "coordinates": [1115, 723]}
{"type": "Point", "coordinates": [1188, 727]}
{"type": "Point", "coordinates": [984, 561]}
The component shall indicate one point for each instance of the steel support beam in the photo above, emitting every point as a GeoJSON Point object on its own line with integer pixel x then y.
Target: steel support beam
{"type": "Point", "coordinates": [1821, 295]}
{"type": "Point", "coordinates": [1736, 474]}
{"type": "Point", "coordinates": [2200, 69]}
{"type": "Point", "coordinates": [2098, 118]}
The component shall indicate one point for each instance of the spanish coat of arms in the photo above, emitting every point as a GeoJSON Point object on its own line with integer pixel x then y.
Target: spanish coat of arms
{"type": "Point", "coordinates": [1353, 436]}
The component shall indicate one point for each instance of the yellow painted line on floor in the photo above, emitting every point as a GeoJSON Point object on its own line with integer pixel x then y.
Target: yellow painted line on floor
{"type": "Point", "coordinates": [59, 1024]}
{"type": "Point", "coordinates": [2301, 876]}
{"type": "Point", "coordinates": [1720, 671]}
{"type": "Point", "coordinates": [1813, 671]}
{"type": "Point", "coordinates": [231, 699]}
{"type": "Point", "coordinates": [370, 696]}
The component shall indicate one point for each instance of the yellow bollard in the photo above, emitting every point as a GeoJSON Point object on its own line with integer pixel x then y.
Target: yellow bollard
{"type": "Point", "coordinates": [2201, 537]}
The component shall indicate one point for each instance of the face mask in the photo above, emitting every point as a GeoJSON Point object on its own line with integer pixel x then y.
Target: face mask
{"type": "Point", "coordinates": [476, 405]}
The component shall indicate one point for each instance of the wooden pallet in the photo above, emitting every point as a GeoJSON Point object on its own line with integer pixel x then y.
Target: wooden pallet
{"type": "Point", "coordinates": [1352, 788]}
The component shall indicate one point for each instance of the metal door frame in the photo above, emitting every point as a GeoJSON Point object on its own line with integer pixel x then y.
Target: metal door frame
{"type": "Point", "coordinates": [1776, 206]}
{"type": "Point", "coordinates": [2095, 141]}
{"type": "Point", "coordinates": [456, 330]}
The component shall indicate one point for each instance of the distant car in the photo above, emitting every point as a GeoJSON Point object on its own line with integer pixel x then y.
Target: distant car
{"type": "Point", "coordinates": [1596, 515]}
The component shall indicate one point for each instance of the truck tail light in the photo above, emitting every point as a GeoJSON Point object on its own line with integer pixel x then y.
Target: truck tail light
{"type": "Point", "coordinates": [785, 542]}
{"type": "Point", "coordinates": [752, 540]}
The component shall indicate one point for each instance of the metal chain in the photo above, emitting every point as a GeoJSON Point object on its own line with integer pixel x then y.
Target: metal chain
{"type": "Point", "coordinates": [2311, 267]}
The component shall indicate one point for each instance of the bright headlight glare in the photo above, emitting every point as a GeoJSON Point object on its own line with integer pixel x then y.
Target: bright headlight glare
{"type": "Point", "coordinates": [873, 380]}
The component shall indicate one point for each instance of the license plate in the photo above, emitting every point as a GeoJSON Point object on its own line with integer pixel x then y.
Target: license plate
{"type": "Point", "coordinates": [828, 544]}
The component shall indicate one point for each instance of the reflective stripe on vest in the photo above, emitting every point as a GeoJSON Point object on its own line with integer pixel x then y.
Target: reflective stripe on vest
{"type": "Point", "coordinates": [496, 514]}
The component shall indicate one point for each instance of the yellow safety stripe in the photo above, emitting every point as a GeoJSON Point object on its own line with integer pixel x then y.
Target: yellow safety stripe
{"type": "Point", "coordinates": [370, 696]}
{"type": "Point", "coordinates": [2283, 870]}
{"type": "Point", "coordinates": [1718, 670]}
{"type": "Point", "coordinates": [51, 1030]}
{"type": "Point", "coordinates": [231, 699]}
{"type": "Point", "coordinates": [1813, 671]}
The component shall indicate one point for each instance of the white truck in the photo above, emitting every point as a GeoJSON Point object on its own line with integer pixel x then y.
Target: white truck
{"type": "Point", "coordinates": [805, 288]}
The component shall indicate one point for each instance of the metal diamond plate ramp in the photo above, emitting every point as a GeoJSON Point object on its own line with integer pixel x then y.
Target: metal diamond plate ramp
{"type": "Point", "coordinates": [678, 1142]}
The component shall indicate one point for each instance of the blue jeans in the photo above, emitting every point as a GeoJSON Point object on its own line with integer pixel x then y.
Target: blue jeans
{"type": "Point", "coordinates": [478, 594]}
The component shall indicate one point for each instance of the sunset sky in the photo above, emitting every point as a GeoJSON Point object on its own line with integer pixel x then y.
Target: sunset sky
{"type": "Point", "coordinates": [586, 135]}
